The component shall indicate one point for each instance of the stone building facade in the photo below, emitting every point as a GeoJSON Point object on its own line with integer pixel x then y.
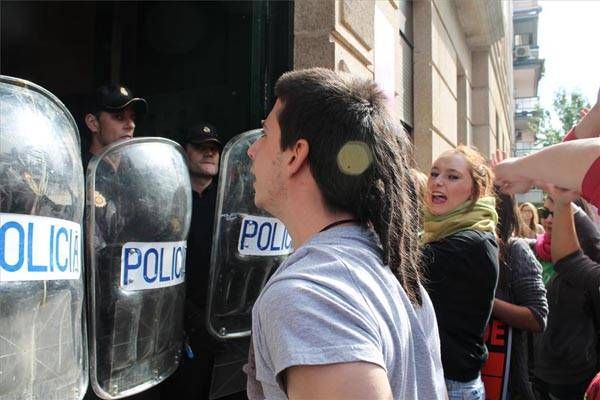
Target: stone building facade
{"type": "Point", "coordinates": [446, 65]}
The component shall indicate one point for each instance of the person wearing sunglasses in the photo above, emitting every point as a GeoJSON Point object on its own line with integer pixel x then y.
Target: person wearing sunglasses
{"type": "Point", "coordinates": [544, 212]}
{"type": "Point", "coordinates": [566, 353]}
{"type": "Point", "coordinates": [541, 243]}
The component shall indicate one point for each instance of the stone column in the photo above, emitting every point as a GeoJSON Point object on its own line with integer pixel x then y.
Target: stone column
{"type": "Point", "coordinates": [334, 34]}
{"type": "Point", "coordinates": [482, 132]}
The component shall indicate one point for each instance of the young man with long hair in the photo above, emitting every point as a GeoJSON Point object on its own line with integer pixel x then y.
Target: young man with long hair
{"type": "Point", "coordinates": [345, 316]}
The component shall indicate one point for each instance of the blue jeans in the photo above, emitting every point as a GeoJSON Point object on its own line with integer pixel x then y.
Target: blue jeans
{"type": "Point", "coordinates": [472, 390]}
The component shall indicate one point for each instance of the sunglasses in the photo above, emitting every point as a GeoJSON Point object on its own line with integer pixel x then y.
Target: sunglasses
{"type": "Point", "coordinates": [544, 213]}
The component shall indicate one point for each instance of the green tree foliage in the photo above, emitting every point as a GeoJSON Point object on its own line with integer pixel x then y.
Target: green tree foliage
{"type": "Point", "coordinates": [566, 107]}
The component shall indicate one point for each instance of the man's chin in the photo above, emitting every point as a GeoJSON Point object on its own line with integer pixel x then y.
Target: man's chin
{"type": "Point", "coordinates": [258, 203]}
{"type": "Point", "coordinates": [203, 173]}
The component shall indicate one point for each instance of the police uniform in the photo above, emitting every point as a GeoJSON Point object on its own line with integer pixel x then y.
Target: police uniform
{"type": "Point", "coordinates": [193, 378]}
{"type": "Point", "coordinates": [109, 188]}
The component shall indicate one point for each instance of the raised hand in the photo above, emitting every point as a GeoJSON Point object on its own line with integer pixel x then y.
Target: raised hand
{"type": "Point", "coordinates": [507, 175]}
{"type": "Point", "coordinates": [559, 195]}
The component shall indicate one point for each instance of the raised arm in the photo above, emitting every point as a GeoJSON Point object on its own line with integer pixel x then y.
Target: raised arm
{"type": "Point", "coordinates": [564, 165]}
{"type": "Point", "coordinates": [564, 236]}
{"type": "Point", "coordinates": [588, 126]}
{"type": "Point", "coordinates": [569, 259]}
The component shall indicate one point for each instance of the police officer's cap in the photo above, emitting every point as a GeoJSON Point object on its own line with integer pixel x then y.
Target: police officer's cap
{"type": "Point", "coordinates": [202, 133]}
{"type": "Point", "coordinates": [115, 98]}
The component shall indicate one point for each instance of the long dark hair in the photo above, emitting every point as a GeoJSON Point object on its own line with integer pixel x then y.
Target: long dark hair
{"type": "Point", "coordinates": [509, 224]}
{"type": "Point", "coordinates": [331, 111]}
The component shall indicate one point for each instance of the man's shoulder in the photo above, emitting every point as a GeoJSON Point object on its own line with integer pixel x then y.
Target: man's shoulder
{"type": "Point", "coordinates": [310, 259]}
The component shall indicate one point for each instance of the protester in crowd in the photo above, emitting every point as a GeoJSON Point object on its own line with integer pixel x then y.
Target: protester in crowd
{"type": "Point", "coordinates": [530, 226]}
{"type": "Point", "coordinates": [566, 353]}
{"type": "Point", "coordinates": [345, 316]}
{"type": "Point", "coordinates": [461, 263]}
{"type": "Point", "coordinates": [573, 164]}
{"type": "Point", "coordinates": [520, 296]}
{"type": "Point", "coordinates": [541, 245]}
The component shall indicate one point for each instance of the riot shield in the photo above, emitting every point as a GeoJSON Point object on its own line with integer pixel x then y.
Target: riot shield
{"type": "Point", "coordinates": [248, 245]}
{"type": "Point", "coordinates": [137, 221]}
{"type": "Point", "coordinates": [42, 330]}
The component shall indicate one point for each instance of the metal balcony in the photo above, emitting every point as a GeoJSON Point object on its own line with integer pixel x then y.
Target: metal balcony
{"type": "Point", "coordinates": [526, 105]}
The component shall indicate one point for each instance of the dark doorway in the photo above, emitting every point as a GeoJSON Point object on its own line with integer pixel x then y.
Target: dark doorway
{"type": "Point", "coordinates": [193, 61]}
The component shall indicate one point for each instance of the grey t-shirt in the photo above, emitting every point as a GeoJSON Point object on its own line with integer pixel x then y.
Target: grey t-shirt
{"type": "Point", "coordinates": [333, 301]}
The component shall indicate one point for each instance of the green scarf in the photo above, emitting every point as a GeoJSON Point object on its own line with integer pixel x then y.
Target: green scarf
{"type": "Point", "coordinates": [481, 217]}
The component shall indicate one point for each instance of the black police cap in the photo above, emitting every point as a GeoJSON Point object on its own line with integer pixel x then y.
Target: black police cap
{"type": "Point", "coordinates": [115, 98]}
{"type": "Point", "coordinates": [202, 133]}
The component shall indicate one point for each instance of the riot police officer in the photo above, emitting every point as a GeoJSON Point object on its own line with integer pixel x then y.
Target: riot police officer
{"type": "Point", "coordinates": [193, 379]}
{"type": "Point", "coordinates": [203, 148]}
{"type": "Point", "coordinates": [111, 116]}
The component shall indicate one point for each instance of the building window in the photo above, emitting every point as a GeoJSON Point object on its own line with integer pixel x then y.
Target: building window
{"type": "Point", "coordinates": [523, 39]}
{"type": "Point", "coordinates": [406, 67]}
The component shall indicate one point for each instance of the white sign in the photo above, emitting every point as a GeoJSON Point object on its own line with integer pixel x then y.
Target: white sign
{"type": "Point", "coordinates": [148, 265]}
{"type": "Point", "coordinates": [264, 236]}
{"type": "Point", "coordinates": [34, 248]}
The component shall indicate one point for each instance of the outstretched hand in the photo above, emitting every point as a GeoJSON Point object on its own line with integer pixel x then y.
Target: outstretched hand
{"type": "Point", "coordinates": [507, 176]}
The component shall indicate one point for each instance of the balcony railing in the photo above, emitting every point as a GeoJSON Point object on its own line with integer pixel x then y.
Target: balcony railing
{"type": "Point", "coordinates": [526, 104]}
{"type": "Point", "coordinates": [519, 151]}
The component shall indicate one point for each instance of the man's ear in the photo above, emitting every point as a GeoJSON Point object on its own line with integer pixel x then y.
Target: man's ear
{"type": "Point", "coordinates": [92, 122]}
{"type": "Point", "coordinates": [298, 156]}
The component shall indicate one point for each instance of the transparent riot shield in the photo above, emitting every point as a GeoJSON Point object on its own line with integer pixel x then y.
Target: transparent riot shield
{"type": "Point", "coordinates": [248, 245]}
{"type": "Point", "coordinates": [42, 329]}
{"type": "Point", "coordinates": [137, 221]}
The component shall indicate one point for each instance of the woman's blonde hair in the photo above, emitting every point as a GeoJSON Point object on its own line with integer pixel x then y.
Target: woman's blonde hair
{"type": "Point", "coordinates": [528, 228]}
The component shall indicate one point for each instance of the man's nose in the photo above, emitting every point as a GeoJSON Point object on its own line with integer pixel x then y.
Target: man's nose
{"type": "Point", "coordinates": [130, 123]}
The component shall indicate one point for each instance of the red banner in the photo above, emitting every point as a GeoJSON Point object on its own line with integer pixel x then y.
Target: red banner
{"type": "Point", "coordinates": [498, 339]}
